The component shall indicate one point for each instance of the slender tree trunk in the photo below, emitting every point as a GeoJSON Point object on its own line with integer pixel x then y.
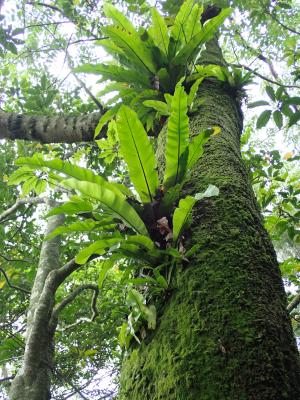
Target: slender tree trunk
{"type": "Point", "coordinates": [224, 334]}
{"type": "Point", "coordinates": [33, 379]}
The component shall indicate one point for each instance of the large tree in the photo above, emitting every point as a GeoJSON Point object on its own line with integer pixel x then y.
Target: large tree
{"type": "Point", "coordinates": [223, 330]}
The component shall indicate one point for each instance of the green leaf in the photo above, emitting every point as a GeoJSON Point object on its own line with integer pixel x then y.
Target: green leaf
{"type": "Point", "coordinates": [294, 118]}
{"type": "Point", "coordinates": [68, 169]}
{"type": "Point", "coordinates": [271, 93]}
{"type": "Point", "coordinates": [135, 299]}
{"type": "Point", "coordinates": [118, 18]}
{"type": "Point", "coordinates": [29, 185]}
{"type": "Point", "coordinates": [181, 215]}
{"type": "Point", "coordinates": [105, 266]}
{"type": "Point", "coordinates": [279, 93]}
{"type": "Point", "coordinates": [40, 187]}
{"type": "Point", "coordinates": [115, 73]}
{"type": "Point", "coordinates": [159, 32]}
{"type": "Point", "coordinates": [99, 247]}
{"type": "Point", "coordinates": [177, 139]}
{"type": "Point", "coordinates": [203, 71]}
{"type": "Point", "coordinates": [263, 119]}
{"type": "Point", "coordinates": [177, 31]}
{"type": "Point", "coordinates": [159, 106]}
{"type": "Point", "coordinates": [151, 316]}
{"type": "Point", "coordinates": [124, 335]}
{"type": "Point", "coordinates": [209, 29]}
{"type": "Point", "coordinates": [105, 118]}
{"type": "Point", "coordinates": [141, 240]}
{"type": "Point", "coordinates": [283, 5]}
{"type": "Point", "coordinates": [138, 154]}
{"type": "Point", "coordinates": [277, 115]}
{"type": "Point", "coordinates": [134, 48]}
{"type": "Point", "coordinates": [114, 203]}
{"type": "Point", "coordinates": [211, 191]}
{"type": "Point", "coordinates": [292, 101]}
{"type": "Point", "coordinates": [196, 146]}
{"type": "Point", "coordinates": [20, 175]}
{"type": "Point", "coordinates": [193, 25]}
{"type": "Point", "coordinates": [160, 279]}
{"type": "Point", "coordinates": [75, 205]}
{"type": "Point", "coordinates": [184, 208]}
{"type": "Point", "coordinates": [10, 46]}
{"type": "Point", "coordinates": [258, 104]}
{"type": "Point", "coordinates": [169, 199]}
{"type": "Point", "coordinates": [165, 80]}
{"type": "Point", "coordinates": [87, 225]}
{"type": "Point", "coordinates": [193, 91]}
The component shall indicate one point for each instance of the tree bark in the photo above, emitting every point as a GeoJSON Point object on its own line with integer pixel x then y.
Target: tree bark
{"type": "Point", "coordinates": [224, 334]}
{"type": "Point", "coordinates": [48, 129]}
{"type": "Point", "coordinates": [33, 379]}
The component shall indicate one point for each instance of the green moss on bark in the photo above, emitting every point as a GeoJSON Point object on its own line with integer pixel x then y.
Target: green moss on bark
{"type": "Point", "coordinates": [225, 333]}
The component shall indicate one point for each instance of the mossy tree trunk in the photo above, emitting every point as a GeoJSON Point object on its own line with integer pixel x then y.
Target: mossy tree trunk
{"type": "Point", "coordinates": [224, 334]}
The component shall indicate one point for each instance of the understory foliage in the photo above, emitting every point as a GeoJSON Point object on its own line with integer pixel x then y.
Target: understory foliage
{"type": "Point", "coordinates": [125, 214]}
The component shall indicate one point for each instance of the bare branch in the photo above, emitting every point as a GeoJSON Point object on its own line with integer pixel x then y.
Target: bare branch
{"type": "Point", "coordinates": [281, 24]}
{"type": "Point", "coordinates": [81, 83]}
{"type": "Point", "coordinates": [262, 76]}
{"type": "Point", "coordinates": [294, 303]}
{"type": "Point", "coordinates": [54, 8]}
{"type": "Point", "coordinates": [19, 203]}
{"type": "Point", "coordinates": [7, 378]}
{"type": "Point", "coordinates": [11, 285]}
{"type": "Point", "coordinates": [67, 300]}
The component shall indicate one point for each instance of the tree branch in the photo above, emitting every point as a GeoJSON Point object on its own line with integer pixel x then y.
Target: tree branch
{"type": "Point", "coordinates": [263, 77]}
{"type": "Point", "coordinates": [49, 129]}
{"type": "Point", "coordinates": [7, 378]}
{"type": "Point", "coordinates": [81, 83]}
{"type": "Point", "coordinates": [19, 203]}
{"type": "Point", "coordinates": [294, 303]}
{"type": "Point", "coordinates": [59, 307]}
{"type": "Point", "coordinates": [11, 285]}
{"type": "Point", "coordinates": [281, 24]}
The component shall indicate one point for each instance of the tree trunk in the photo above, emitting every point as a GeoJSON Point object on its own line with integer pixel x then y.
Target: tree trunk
{"type": "Point", "coordinates": [224, 334]}
{"type": "Point", "coordinates": [33, 379]}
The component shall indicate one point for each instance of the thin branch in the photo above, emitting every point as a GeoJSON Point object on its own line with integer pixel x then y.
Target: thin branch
{"type": "Point", "coordinates": [88, 40]}
{"type": "Point", "coordinates": [14, 259]}
{"type": "Point", "coordinates": [258, 54]}
{"type": "Point", "coordinates": [281, 24]}
{"type": "Point", "coordinates": [19, 203]}
{"type": "Point", "coordinates": [76, 323]}
{"type": "Point", "coordinates": [7, 378]}
{"type": "Point", "coordinates": [262, 76]}
{"type": "Point", "coordinates": [54, 8]}
{"type": "Point", "coordinates": [47, 23]}
{"type": "Point", "coordinates": [20, 228]}
{"type": "Point", "coordinates": [67, 300]}
{"type": "Point", "coordinates": [294, 303]}
{"type": "Point", "coordinates": [81, 83]}
{"type": "Point", "coordinates": [11, 285]}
